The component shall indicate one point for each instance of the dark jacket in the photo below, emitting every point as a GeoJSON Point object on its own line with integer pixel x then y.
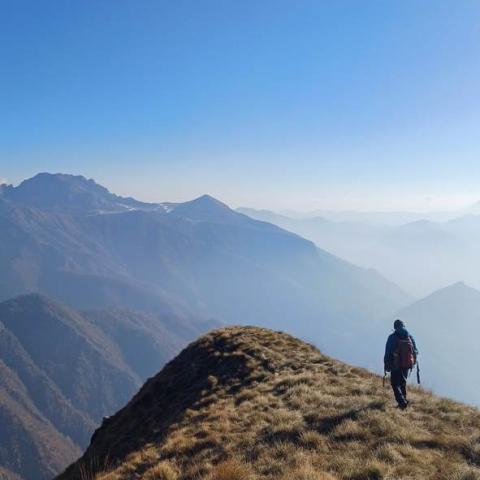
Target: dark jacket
{"type": "Point", "coordinates": [392, 345]}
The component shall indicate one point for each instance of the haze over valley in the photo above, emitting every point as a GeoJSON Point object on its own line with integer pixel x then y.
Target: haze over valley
{"type": "Point", "coordinates": [419, 252]}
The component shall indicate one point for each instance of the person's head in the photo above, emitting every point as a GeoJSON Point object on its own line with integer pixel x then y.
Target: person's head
{"type": "Point", "coordinates": [398, 324]}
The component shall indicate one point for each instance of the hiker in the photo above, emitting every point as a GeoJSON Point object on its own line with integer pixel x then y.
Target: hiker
{"type": "Point", "coordinates": [400, 357]}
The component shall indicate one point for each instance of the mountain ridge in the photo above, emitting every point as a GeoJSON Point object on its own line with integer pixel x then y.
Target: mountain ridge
{"type": "Point", "coordinates": [251, 403]}
{"type": "Point", "coordinates": [65, 192]}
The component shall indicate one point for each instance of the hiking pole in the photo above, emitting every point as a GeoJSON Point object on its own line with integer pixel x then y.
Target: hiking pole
{"type": "Point", "coordinates": [384, 392]}
{"type": "Point", "coordinates": [418, 373]}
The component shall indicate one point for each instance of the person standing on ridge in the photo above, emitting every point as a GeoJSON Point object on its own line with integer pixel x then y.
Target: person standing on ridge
{"type": "Point", "coordinates": [400, 357]}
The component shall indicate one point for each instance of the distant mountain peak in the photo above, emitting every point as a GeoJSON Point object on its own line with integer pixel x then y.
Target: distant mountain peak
{"type": "Point", "coordinates": [208, 200]}
{"type": "Point", "coordinates": [456, 288]}
{"type": "Point", "coordinates": [205, 208]}
{"type": "Point", "coordinates": [34, 297]}
{"type": "Point", "coordinates": [64, 176]}
{"type": "Point", "coordinates": [452, 296]}
{"type": "Point", "coordinates": [34, 303]}
{"type": "Point", "coordinates": [48, 179]}
{"type": "Point", "coordinates": [71, 193]}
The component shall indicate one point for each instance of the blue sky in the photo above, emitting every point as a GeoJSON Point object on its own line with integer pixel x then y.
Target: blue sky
{"type": "Point", "coordinates": [268, 103]}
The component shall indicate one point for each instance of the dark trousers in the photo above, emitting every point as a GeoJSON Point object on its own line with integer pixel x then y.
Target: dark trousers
{"type": "Point", "coordinates": [398, 379]}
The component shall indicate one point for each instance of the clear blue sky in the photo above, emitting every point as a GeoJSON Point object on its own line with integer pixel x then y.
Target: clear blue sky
{"type": "Point", "coordinates": [268, 103]}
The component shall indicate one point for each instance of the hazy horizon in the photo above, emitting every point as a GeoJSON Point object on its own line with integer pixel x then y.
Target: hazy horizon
{"type": "Point", "coordinates": [425, 205]}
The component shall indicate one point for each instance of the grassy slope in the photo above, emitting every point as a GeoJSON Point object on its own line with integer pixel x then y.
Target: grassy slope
{"type": "Point", "coordinates": [249, 403]}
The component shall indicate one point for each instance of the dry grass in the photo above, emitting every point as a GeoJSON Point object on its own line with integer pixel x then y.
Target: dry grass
{"type": "Point", "coordinates": [231, 470]}
{"type": "Point", "coordinates": [161, 471]}
{"type": "Point", "coordinates": [252, 404]}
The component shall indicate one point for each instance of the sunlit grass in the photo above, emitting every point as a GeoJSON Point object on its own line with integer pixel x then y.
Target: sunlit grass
{"type": "Point", "coordinates": [272, 407]}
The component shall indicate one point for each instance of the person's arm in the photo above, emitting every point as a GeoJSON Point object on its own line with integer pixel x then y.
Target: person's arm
{"type": "Point", "coordinates": [387, 359]}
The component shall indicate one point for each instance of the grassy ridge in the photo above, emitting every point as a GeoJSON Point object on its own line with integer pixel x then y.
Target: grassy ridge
{"type": "Point", "coordinates": [247, 403]}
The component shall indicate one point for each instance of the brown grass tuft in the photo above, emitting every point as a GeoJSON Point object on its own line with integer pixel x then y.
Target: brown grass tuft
{"type": "Point", "coordinates": [231, 470]}
{"type": "Point", "coordinates": [162, 471]}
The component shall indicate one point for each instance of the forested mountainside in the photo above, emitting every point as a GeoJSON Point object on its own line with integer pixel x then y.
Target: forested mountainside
{"type": "Point", "coordinates": [62, 371]}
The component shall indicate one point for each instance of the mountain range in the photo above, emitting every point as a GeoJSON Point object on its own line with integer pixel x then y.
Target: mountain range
{"type": "Point", "coordinates": [73, 240]}
{"type": "Point", "coordinates": [421, 256]}
{"type": "Point", "coordinates": [392, 218]}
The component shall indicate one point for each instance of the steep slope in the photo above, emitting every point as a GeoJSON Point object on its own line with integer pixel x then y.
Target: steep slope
{"type": "Point", "coordinates": [80, 360]}
{"type": "Point", "coordinates": [199, 256]}
{"type": "Point", "coordinates": [42, 391]}
{"type": "Point", "coordinates": [62, 370]}
{"type": "Point", "coordinates": [447, 326]}
{"type": "Point", "coordinates": [250, 403]}
{"type": "Point", "coordinates": [143, 340]}
{"type": "Point", "coordinates": [30, 445]}
{"type": "Point", "coordinates": [58, 254]}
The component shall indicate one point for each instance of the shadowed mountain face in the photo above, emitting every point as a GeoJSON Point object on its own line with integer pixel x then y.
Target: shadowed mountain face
{"type": "Point", "coordinates": [29, 444]}
{"type": "Point", "coordinates": [250, 403]}
{"type": "Point", "coordinates": [62, 370]}
{"type": "Point", "coordinates": [73, 240]}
